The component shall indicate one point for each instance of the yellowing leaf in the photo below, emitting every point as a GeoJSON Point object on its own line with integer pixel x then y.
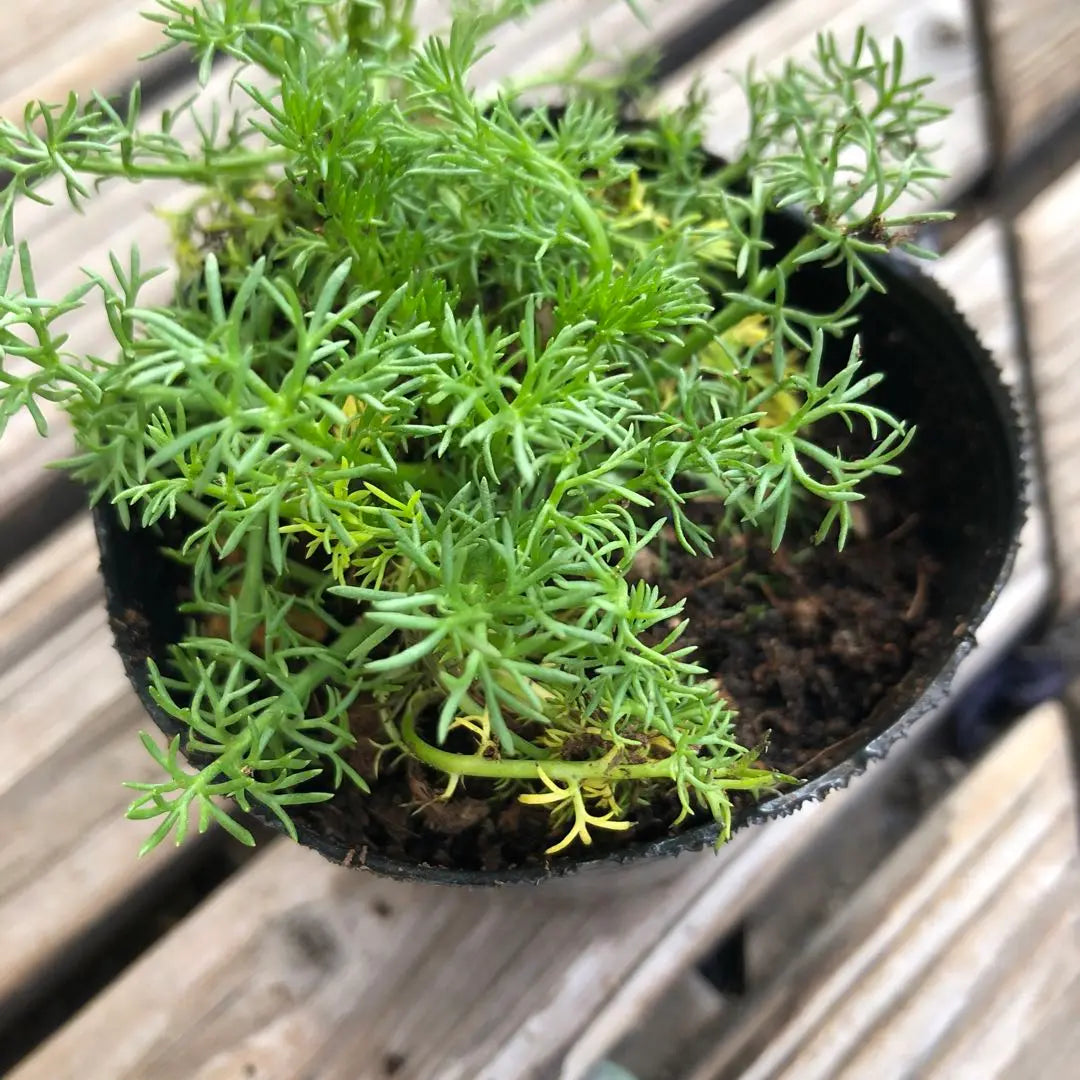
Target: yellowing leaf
{"type": "Point", "coordinates": [749, 332]}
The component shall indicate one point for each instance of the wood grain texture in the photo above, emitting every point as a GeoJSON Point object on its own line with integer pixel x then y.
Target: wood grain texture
{"type": "Point", "coordinates": [1053, 1049]}
{"type": "Point", "coordinates": [297, 968]}
{"type": "Point", "coordinates": [44, 54]}
{"type": "Point", "coordinates": [557, 29]}
{"type": "Point", "coordinates": [938, 38]}
{"type": "Point", "coordinates": [1036, 967]}
{"type": "Point", "coordinates": [67, 741]}
{"type": "Point", "coordinates": [976, 275]}
{"type": "Point", "coordinates": [1036, 64]}
{"type": "Point", "coordinates": [39, 594]}
{"type": "Point", "coordinates": [972, 922]}
{"type": "Point", "coordinates": [1049, 238]}
{"type": "Point", "coordinates": [690, 1008]}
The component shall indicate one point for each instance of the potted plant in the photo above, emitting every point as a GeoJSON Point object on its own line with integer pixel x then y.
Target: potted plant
{"type": "Point", "coordinates": [498, 478]}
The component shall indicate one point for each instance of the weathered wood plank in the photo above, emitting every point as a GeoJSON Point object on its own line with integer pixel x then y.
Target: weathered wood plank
{"type": "Point", "coordinates": [1035, 965]}
{"type": "Point", "coordinates": [41, 711]}
{"type": "Point", "coordinates": [939, 40]}
{"type": "Point", "coordinates": [1049, 239]}
{"type": "Point", "coordinates": [326, 971]}
{"type": "Point", "coordinates": [1035, 46]}
{"type": "Point", "coordinates": [67, 741]}
{"type": "Point", "coordinates": [44, 53]}
{"type": "Point", "coordinates": [40, 594]}
{"type": "Point", "coordinates": [71, 861]}
{"type": "Point", "coordinates": [554, 33]}
{"type": "Point", "coordinates": [24, 458]}
{"type": "Point", "coordinates": [690, 1007]}
{"type": "Point", "coordinates": [975, 272]}
{"type": "Point", "coordinates": [1053, 1049]}
{"type": "Point", "coordinates": [994, 949]}
{"type": "Point", "coordinates": [961, 908]}
{"type": "Point", "coordinates": [299, 968]}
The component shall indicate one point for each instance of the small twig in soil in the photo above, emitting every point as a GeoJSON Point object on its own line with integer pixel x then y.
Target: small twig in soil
{"type": "Point", "coordinates": [681, 591]}
{"type": "Point", "coordinates": [902, 530]}
{"type": "Point", "coordinates": [769, 593]}
{"type": "Point", "coordinates": [841, 745]}
{"type": "Point", "coordinates": [917, 608]}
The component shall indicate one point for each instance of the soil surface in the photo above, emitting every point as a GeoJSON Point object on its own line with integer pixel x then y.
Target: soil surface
{"type": "Point", "coordinates": [805, 643]}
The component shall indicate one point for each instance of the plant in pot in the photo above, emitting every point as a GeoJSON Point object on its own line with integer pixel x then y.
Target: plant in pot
{"type": "Point", "coordinates": [498, 478]}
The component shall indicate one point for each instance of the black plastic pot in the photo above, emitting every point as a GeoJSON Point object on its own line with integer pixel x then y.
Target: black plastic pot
{"type": "Point", "coordinates": [938, 376]}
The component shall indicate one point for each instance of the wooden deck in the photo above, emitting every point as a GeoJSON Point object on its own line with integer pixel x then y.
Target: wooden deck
{"type": "Point", "coordinates": [956, 954]}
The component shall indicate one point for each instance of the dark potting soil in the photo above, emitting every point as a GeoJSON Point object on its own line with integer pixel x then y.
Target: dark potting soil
{"type": "Point", "coordinates": [805, 643]}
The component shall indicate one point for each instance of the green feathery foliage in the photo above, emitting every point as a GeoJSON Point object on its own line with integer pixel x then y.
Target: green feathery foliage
{"type": "Point", "coordinates": [435, 372]}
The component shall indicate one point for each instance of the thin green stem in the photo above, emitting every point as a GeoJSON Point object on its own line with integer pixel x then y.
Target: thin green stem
{"type": "Point", "coordinates": [519, 769]}
{"type": "Point", "coordinates": [208, 172]}
{"type": "Point", "coordinates": [730, 174]}
{"type": "Point", "coordinates": [595, 232]}
{"type": "Point", "coordinates": [318, 670]}
{"type": "Point", "coordinates": [586, 213]}
{"type": "Point", "coordinates": [247, 602]}
{"type": "Point", "coordinates": [733, 313]}
{"type": "Point", "coordinates": [188, 503]}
